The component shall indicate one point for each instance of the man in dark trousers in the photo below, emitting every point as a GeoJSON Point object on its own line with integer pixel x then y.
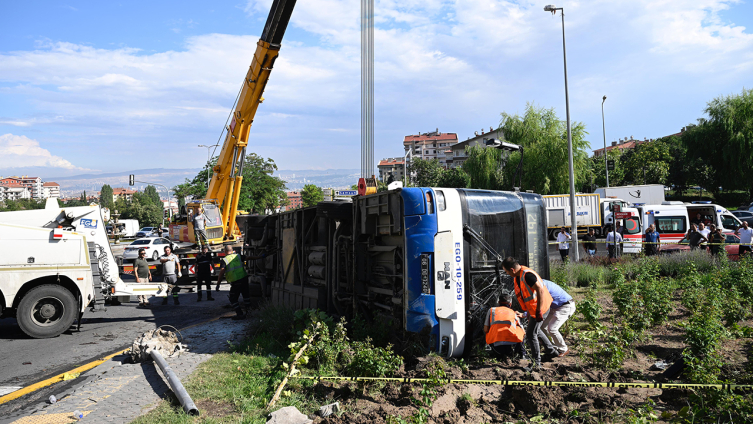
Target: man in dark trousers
{"type": "Point", "coordinates": [503, 331]}
{"type": "Point", "coordinates": [232, 268]}
{"type": "Point", "coordinates": [535, 299]}
{"type": "Point", "coordinates": [589, 243]}
{"type": "Point", "coordinates": [204, 272]}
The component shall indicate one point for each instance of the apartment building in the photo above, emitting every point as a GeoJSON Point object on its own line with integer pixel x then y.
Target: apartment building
{"type": "Point", "coordinates": [457, 155]}
{"type": "Point", "coordinates": [122, 193]}
{"type": "Point", "coordinates": [394, 167]}
{"type": "Point", "coordinates": [294, 200]}
{"type": "Point", "coordinates": [431, 145]}
{"type": "Point", "coordinates": [13, 191]}
{"type": "Point", "coordinates": [50, 189]}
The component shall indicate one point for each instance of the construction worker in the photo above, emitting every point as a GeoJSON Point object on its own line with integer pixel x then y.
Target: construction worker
{"type": "Point", "coordinates": [563, 307]}
{"type": "Point", "coordinates": [199, 228]}
{"type": "Point", "coordinates": [503, 331]}
{"type": "Point", "coordinates": [535, 299]}
{"type": "Point", "coordinates": [171, 267]}
{"type": "Point", "coordinates": [232, 268]}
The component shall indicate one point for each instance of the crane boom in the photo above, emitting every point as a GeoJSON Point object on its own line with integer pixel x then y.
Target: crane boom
{"type": "Point", "coordinates": [225, 186]}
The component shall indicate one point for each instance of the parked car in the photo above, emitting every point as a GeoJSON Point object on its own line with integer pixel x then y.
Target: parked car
{"type": "Point", "coordinates": [154, 247]}
{"type": "Point", "coordinates": [732, 248]}
{"type": "Point", "coordinates": [746, 216]}
{"type": "Point", "coordinates": [145, 232]}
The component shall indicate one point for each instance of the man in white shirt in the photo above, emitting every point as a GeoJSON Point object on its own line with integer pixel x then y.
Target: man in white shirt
{"type": "Point", "coordinates": [704, 231]}
{"type": "Point", "coordinates": [745, 234]}
{"type": "Point", "coordinates": [171, 267]}
{"type": "Point", "coordinates": [563, 238]}
{"type": "Point", "coordinates": [611, 242]}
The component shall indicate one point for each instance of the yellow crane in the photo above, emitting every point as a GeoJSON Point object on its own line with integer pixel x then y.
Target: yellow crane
{"type": "Point", "coordinates": [220, 204]}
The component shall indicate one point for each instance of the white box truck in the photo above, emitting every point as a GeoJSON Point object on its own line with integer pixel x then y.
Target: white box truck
{"type": "Point", "coordinates": [647, 194]}
{"type": "Point", "coordinates": [587, 211]}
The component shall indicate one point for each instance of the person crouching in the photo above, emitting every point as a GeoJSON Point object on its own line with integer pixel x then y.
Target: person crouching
{"type": "Point", "coordinates": [503, 331]}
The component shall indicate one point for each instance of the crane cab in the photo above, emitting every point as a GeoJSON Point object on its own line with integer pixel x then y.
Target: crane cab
{"type": "Point", "coordinates": [182, 230]}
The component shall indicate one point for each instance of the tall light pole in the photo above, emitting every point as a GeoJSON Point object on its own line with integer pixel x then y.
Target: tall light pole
{"type": "Point", "coordinates": [574, 223]}
{"type": "Point", "coordinates": [604, 129]}
{"type": "Point", "coordinates": [208, 167]}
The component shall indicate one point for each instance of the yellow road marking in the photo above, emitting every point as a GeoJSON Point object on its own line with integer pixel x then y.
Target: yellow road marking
{"type": "Point", "coordinates": [60, 377]}
{"type": "Point", "coordinates": [59, 418]}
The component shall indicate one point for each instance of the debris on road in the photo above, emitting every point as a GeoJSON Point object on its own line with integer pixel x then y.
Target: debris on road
{"type": "Point", "coordinates": [164, 341]}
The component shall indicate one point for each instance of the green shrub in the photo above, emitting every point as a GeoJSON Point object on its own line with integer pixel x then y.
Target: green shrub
{"type": "Point", "coordinates": [704, 335]}
{"type": "Point", "coordinates": [370, 361]}
{"type": "Point", "coordinates": [590, 309]}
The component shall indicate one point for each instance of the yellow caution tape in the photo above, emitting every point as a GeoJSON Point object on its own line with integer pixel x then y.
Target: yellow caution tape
{"type": "Point", "coordinates": [728, 387]}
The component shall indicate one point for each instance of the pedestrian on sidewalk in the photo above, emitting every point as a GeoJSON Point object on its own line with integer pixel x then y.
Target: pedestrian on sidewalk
{"type": "Point", "coordinates": [563, 307]}
{"type": "Point", "coordinates": [535, 299]}
{"type": "Point", "coordinates": [746, 235]}
{"type": "Point", "coordinates": [143, 275]}
{"type": "Point", "coordinates": [232, 268]}
{"type": "Point", "coordinates": [589, 243]}
{"type": "Point", "coordinates": [562, 238]}
{"type": "Point", "coordinates": [204, 272]}
{"type": "Point", "coordinates": [652, 240]}
{"type": "Point", "coordinates": [504, 334]}
{"type": "Point", "coordinates": [613, 240]}
{"type": "Point", "coordinates": [171, 273]}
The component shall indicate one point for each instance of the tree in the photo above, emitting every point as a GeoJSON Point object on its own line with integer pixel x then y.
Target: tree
{"type": "Point", "coordinates": [427, 172]}
{"type": "Point", "coordinates": [151, 193]}
{"type": "Point", "coordinates": [106, 197]}
{"type": "Point", "coordinates": [646, 163]}
{"type": "Point", "coordinates": [545, 160]}
{"type": "Point", "coordinates": [483, 168]}
{"type": "Point", "coordinates": [454, 178]}
{"type": "Point", "coordinates": [83, 197]}
{"type": "Point", "coordinates": [598, 170]}
{"type": "Point", "coordinates": [311, 195]}
{"type": "Point", "coordinates": [260, 191]}
{"type": "Point", "coordinates": [724, 142]}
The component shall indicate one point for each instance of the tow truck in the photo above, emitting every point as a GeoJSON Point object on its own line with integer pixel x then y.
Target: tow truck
{"type": "Point", "coordinates": [56, 262]}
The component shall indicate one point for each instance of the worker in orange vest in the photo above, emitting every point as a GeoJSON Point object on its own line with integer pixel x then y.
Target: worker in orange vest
{"type": "Point", "coordinates": [535, 299]}
{"type": "Point", "coordinates": [503, 331]}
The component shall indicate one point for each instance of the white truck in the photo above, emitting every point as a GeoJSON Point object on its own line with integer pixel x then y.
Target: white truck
{"type": "Point", "coordinates": [54, 263]}
{"type": "Point", "coordinates": [587, 211]}
{"type": "Point", "coordinates": [647, 194]}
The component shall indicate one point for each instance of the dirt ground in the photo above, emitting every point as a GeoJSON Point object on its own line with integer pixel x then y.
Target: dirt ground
{"type": "Point", "coordinates": [479, 403]}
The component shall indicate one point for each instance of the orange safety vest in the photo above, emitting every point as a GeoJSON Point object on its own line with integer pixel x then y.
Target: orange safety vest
{"type": "Point", "coordinates": [504, 326]}
{"type": "Point", "coordinates": [527, 296]}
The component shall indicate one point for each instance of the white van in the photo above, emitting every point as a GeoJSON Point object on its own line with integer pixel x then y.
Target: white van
{"type": "Point", "coordinates": [128, 227]}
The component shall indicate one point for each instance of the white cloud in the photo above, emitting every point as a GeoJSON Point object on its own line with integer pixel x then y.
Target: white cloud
{"type": "Point", "coordinates": [455, 64]}
{"type": "Point", "coordinates": [18, 151]}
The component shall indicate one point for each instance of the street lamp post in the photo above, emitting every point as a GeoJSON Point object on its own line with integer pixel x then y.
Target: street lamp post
{"type": "Point", "coordinates": [574, 224]}
{"type": "Point", "coordinates": [208, 173]}
{"type": "Point", "coordinates": [604, 129]}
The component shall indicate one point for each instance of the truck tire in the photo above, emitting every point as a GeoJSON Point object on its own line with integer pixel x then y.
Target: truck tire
{"type": "Point", "coordinates": [46, 311]}
{"type": "Point", "coordinates": [334, 210]}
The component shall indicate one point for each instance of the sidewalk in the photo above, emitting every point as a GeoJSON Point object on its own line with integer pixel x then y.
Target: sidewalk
{"type": "Point", "coordinates": [118, 392]}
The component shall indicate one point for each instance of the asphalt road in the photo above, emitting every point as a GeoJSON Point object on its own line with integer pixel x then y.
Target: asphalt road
{"type": "Point", "coordinates": [601, 249]}
{"type": "Point", "coordinates": [26, 361]}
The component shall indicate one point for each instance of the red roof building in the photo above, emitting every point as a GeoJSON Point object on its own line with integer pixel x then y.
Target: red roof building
{"type": "Point", "coordinates": [294, 200]}
{"type": "Point", "coordinates": [394, 167]}
{"type": "Point", "coordinates": [430, 145]}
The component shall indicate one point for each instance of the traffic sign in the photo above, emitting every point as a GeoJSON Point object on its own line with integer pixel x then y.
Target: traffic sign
{"type": "Point", "coordinates": [622, 215]}
{"type": "Point", "coordinates": [346, 193]}
{"type": "Point", "coordinates": [610, 165]}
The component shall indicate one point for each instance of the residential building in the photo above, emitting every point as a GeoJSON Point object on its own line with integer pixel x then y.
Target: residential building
{"type": "Point", "coordinates": [430, 145]}
{"type": "Point", "coordinates": [457, 155]}
{"type": "Point", "coordinates": [34, 184]}
{"type": "Point", "coordinates": [394, 167]}
{"type": "Point", "coordinates": [294, 200]}
{"type": "Point", "coordinates": [13, 191]}
{"type": "Point", "coordinates": [50, 189]}
{"type": "Point", "coordinates": [122, 193]}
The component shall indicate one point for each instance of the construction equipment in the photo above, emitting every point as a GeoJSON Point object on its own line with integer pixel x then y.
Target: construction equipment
{"type": "Point", "coordinates": [221, 201]}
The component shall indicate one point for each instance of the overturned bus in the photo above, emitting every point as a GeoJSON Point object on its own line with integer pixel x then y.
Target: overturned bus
{"type": "Point", "coordinates": [425, 259]}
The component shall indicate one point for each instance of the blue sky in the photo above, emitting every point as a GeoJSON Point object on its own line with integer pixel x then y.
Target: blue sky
{"type": "Point", "coordinates": [112, 87]}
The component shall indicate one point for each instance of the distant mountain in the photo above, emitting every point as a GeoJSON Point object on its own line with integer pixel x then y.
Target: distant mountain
{"type": "Point", "coordinates": [74, 185]}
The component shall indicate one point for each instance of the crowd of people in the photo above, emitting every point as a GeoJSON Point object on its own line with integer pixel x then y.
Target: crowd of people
{"type": "Point", "coordinates": [699, 236]}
